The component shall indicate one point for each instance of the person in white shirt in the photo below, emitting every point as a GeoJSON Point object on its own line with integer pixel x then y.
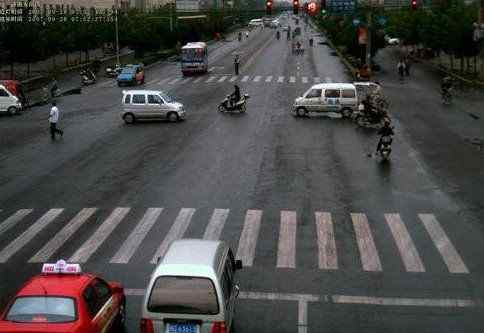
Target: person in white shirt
{"type": "Point", "coordinates": [53, 119]}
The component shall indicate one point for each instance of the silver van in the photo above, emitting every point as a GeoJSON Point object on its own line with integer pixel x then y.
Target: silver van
{"type": "Point", "coordinates": [327, 97]}
{"type": "Point", "coordinates": [9, 102]}
{"type": "Point", "coordinates": [150, 104]}
{"type": "Point", "coordinates": [193, 289]}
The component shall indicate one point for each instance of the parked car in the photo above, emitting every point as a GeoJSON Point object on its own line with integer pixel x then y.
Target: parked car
{"type": "Point", "coordinates": [9, 103]}
{"type": "Point", "coordinates": [64, 299]}
{"type": "Point", "coordinates": [192, 289]}
{"type": "Point", "coordinates": [327, 97]}
{"type": "Point", "coordinates": [150, 105]}
{"type": "Point", "coordinates": [131, 75]}
{"type": "Point", "coordinates": [255, 23]}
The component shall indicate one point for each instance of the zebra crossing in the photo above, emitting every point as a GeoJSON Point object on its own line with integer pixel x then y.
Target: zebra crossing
{"type": "Point", "coordinates": [324, 239]}
{"type": "Point", "coordinates": [226, 78]}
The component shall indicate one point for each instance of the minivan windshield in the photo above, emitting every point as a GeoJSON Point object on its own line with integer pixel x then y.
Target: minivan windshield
{"type": "Point", "coordinates": [167, 98]}
{"type": "Point", "coordinates": [185, 295]}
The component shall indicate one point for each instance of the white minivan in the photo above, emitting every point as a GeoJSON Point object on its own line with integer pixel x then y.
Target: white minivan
{"type": "Point", "coordinates": [193, 289]}
{"type": "Point", "coordinates": [9, 102]}
{"type": "Point", "coordinates": [327, 97]}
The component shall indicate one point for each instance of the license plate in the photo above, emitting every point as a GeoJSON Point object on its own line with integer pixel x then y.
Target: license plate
{"type": "Point", "coordinates": [182, 328]}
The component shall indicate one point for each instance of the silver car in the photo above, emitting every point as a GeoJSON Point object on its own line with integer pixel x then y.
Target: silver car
{"type": "Point", "coordinates": [150, 104]}
{"type": "Point", "coordinates": [192, 289]}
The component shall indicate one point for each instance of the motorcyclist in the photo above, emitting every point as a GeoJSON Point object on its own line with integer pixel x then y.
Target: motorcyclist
{"type": "Point", "coordinates": [278, 34]}
{"type": "Point", "coordinates": [386, 130]}
{"type": "Point", "coordinates": [446, 85]}
{"type": "Point", "coordinates": [53, 88]}
{"type": "Point", "coordinates": [235, 96]}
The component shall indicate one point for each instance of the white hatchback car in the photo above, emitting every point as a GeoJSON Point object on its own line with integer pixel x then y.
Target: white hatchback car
{"type": "Point", "coordinates": [150, 104]}
{"type": "Point", "coordinates": [193, 289]}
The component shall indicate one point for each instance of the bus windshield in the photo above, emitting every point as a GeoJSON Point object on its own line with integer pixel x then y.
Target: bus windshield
{"type": "Point", "coordinates": [195, 54]}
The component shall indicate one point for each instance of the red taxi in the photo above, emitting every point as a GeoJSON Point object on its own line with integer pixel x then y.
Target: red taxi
{"type": "Point", "coordinates": [63, 299]}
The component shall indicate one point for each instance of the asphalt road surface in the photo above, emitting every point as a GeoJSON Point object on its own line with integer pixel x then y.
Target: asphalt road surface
{"type": "Point", "coordinates": [332, 240]}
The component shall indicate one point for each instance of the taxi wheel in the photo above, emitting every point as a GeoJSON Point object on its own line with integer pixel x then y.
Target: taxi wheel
{"type": "Point", "coordinates": [129, 118]}
{"type": "Point", "coordinates": [12, 110]}
{"type": "Point", "coordinates": [301, 112]}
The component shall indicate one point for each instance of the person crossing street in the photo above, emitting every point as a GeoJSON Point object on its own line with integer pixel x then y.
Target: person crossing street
{"type": "Point", "coordinates": [236, 64]}
{"type": "Point", "coordinates": [53, 120]}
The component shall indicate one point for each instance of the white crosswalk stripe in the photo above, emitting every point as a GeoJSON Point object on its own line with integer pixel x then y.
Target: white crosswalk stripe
{"type": "Point", "coordinates": [304, 79]}
{"type": "Point", "coordinates": [222, 79]}
{"type": "Point", "coordinates": [406, 247]}
{"type": "Point", "coordinates": [176, 231]}
{"type": "Point", "coordinates": [163, 81]}
{"type": "Point", "coordinates": [134, 240]}
{"type": "Point", "coordinates": [29, 234]}
{"type": "Point", "coordinates": [280, 79]}
{"type": "Point", "coordinates": [449, 254]}
{"type": "Point", "coordinates": [175, 80]}
{"type": "Point", "coordinates": [234, 78]}
{"type": "Point", "coordinates": [210, 79]}
{"type": "Point", "coordinates": [248, 238]}
{"type": "Point", "coordinates": [245, 78]}
{"type": "Point", "coordinates": [326, 242]}
{"type": "Point", "coordinates": [269, 78]}
{"type": "Point", "coordinates": [216, 224]}
{"type": "Point", "coordinates": [94, 242]}
{"type": "Point", "coordinates": [198, 79]}
{"type": "Point", "coordinates": [14, 219]}
{"type": "Point", "coordinates": [257, 78]}
{"type": "Point", "coordinates": [368, 253]}
{"type": "Point", "coordinates": [62, 236]}
{"type": "Point", "coordinates": [292, 79]}
{"type": "Point", "coordinates": [286, 250]}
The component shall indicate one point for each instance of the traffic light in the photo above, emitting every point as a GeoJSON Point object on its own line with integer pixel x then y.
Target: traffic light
{"type": "Point", "coordinates": [414, 4]}
{"type": "Point", "coordinates": [295, 8]}
{"type": "Point", "coordinates": [312, 8]}
{"type": "Point", "coordinates": [269, 7]}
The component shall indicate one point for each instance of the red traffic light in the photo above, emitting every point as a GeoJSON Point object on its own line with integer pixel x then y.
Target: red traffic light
{"type": "Point", "coordinates": [312, 7]}
{"type": "Point", "coordinates": [269, 4]}
{"type": "Point", "coordinates": [296, 3]}
{"type": "Point", "coordinates": [414, 4]}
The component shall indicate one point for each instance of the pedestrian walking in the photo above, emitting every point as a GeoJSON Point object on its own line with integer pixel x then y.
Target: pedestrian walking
{"type": "Point", "coordinates": [247, 35]}
{"type": "Point", "coordinates": [407, 66]}
{"type": "Point", "coordinates": [53, 120]}
{"type": "Point", "coordinates": [236, 64]}
{"type": "Point", "coordinates": [401, 69]}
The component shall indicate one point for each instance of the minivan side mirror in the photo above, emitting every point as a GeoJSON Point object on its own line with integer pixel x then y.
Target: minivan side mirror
{"type": "Point", "coordinates": [238, 264]}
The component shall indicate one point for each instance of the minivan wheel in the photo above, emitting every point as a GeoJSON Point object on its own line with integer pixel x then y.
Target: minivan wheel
{"type": "Point", "coordinates": [301, 112]}
{"type": "Point", "coordinates": [129, 118]}
{"type": "Point", "coordinates": [12, 110]}
{"type": "Point", "coordinates": [173, 117]}
{"type": "Point", "coordinates": [346, 112]}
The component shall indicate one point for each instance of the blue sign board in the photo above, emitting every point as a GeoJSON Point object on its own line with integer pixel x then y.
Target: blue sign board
{"type": "Point", "coordinates": [341, 6]}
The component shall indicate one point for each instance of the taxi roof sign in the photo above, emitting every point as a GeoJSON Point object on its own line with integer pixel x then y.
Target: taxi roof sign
{"type": "Point", "coordinates": [61, 267]}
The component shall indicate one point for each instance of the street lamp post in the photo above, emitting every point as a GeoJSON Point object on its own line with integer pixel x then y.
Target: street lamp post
{"type": "Point", "coordinates": [117, 31]}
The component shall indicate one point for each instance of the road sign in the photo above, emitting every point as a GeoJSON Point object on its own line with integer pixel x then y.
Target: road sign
{"type": "Point", "coordinates": [341, 6]}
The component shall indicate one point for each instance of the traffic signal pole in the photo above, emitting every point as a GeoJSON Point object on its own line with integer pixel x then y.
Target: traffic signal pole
{"type": "Point", "coordinates": [481, 22]}
{"type": "Point", "coordinates": [369, 19]}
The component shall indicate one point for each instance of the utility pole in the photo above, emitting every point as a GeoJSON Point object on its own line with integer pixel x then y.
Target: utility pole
{"type": "Point", "coordinates": [369, 18]}
{"type": "Point", "coordinates": [480, 26]}
{"type": "Point", "coordinates": [117, 31]}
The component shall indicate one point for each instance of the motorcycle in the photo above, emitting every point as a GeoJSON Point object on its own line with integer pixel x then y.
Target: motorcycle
{"type": "Point", "coordinates": [386, 147]}
{"type": "Point", "coordinates": [240, 106]}
{"type": "Point", "coordinates": [87, 77]}
{"type": "Point", "coordinates": [113, 71]}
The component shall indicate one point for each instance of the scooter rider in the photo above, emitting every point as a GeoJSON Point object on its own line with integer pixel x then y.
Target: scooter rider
{"type": "Point", "coordinates": [235, 96]}
{"type": "Point", "coordinates": [446, 85]}
{"type": "Point", "coordinates": [386, 130]}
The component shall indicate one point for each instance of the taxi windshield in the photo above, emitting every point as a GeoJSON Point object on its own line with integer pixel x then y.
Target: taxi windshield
{"type": "Point", "coordinates": [181, 294]}
{"type": "Point", "coordinates": [41, 309]}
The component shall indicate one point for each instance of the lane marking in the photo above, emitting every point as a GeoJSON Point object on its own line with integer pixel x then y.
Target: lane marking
{"type": "Point", "coordinates": [136, 237]}
{"type": "Point", "coordinates": [304, 79]}
{"type": "Point", "coordinates": [222, 79]}
{"type": "Point", "coordinates": [14, 219]}
{"type": "Point", "coordinates": [234, 78]}
{"type": "Point", "coordinates": [406, 247]}
{"type": "Point", "coordinates": [176, 231]}
{"type": "Point", "coordinates": [326, 242]}
{"type": "Point", "coordinates": [152, 82]}
{"type": "Point", "coordinates": [29, 234]}
{"type": "Point", "coordinates": [286, 250]}
{"type": "Point", "coordinates": [257, 78]}
{"type": "Point", "coordinates": [198, 79]}
{"type": "Point", "coordinates": [210, 79]}
{"type": "Point", "coordinates": [302, 317]}
{"type": "Point", "coordinates": [175, 80]}
{"type": "Point", "coordinates": [245, 79]}
{"type": "Point", "coordinates": [403, 301]}
{"type": "Point", "coordinates": [368, 254]}
{"type": "Point", "coordinates": [63, 235]}
{"type": "Point", "coordinates": [317, 80]}
{"type": "Point", "coordinates": [248, 238]}
{"type": "Point", "coordinates": [186, 80]}
{"type": "Point", "coordinates": [449, 254]}
{"type": "Point", "coordinates": [102, 233]}
{"type": "Point", "coordinates": [269, 78]}
{"type": "Point", "coordinates": [292, 79]}
{"type": "Point", "coordinates": [280, 79]}
{"type": "Point", "coordinates": [163, 81]}
{"type": "Point", "coordinates": [216, 224]}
